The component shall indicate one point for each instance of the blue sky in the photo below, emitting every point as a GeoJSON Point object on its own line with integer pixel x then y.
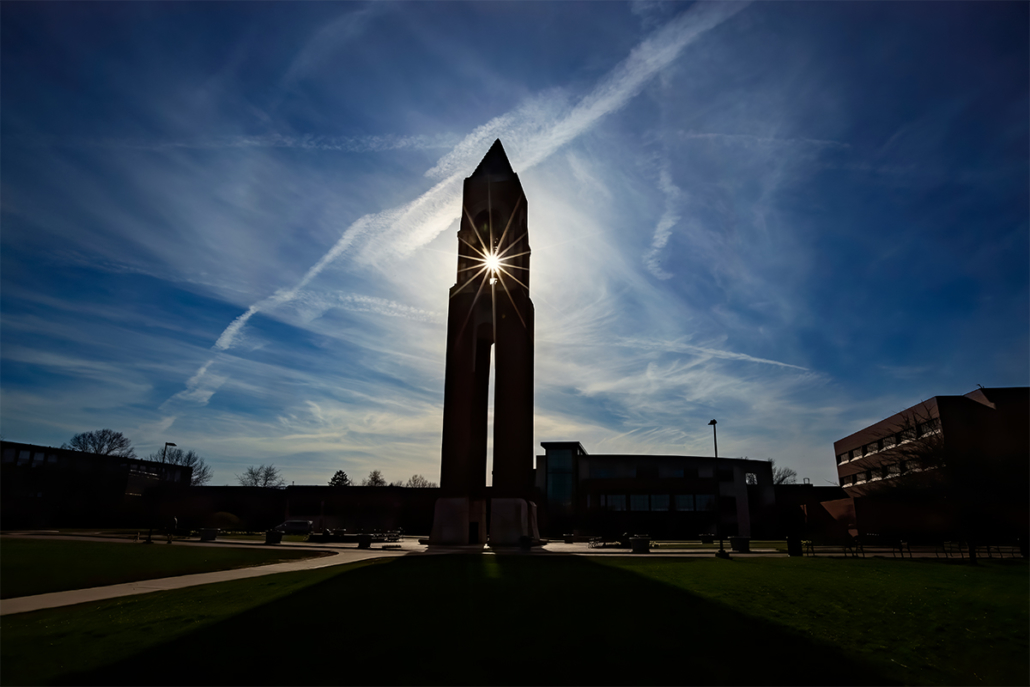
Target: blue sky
{"type": "Point", "coordinates": [232, 226]}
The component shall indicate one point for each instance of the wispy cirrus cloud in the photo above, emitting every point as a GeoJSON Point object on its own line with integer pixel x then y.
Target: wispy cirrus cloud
{"type": "Point", "coordinates": [669, 219]}
{"type": "Point", "coordinates": [375, 143]}
{"type": "Point", "coordinates": [529, 140]}
{"type": "Point", "coordinates": [312, 305]}
{"type": "Point", "coordinates": [751, 141]}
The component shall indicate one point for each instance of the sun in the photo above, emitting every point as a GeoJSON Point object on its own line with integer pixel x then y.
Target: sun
{"type": "Point", "coordinates": [492, 261]}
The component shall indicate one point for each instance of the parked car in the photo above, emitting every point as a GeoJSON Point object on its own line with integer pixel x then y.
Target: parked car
{"type": "Point", "coordinates": [294, 527]}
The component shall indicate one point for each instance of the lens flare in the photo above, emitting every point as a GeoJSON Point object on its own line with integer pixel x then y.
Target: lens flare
{"type": "Point", "coordinates": [492, 262]}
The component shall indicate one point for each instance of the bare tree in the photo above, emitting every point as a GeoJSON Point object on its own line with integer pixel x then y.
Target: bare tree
{"type": "Point", "coordinates": [420, 482]}
{"type": "Point", "coordinates": [783, 475]}
{"type": "Point", "coordinates": [267, 476]}
{"type": "Point", "coordinates": [105, 442]}
{"type": "Point", "coordinates": [374, 479]}
{"type": "Point", "coordinates": [340, 479]}
{"type": "Point", "coordinates": [191, 459]}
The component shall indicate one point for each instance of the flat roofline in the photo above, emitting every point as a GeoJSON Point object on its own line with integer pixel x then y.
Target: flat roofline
{"type": "Point", "coordinates": [564, 444]}
{"type": "Point", "coordinates": [575, 444]}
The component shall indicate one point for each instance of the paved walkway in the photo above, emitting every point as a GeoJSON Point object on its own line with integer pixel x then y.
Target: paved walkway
{"type": "Point", "coordinates": [24, 604]}
{"type": "Point", "coordinates": [342, 554]}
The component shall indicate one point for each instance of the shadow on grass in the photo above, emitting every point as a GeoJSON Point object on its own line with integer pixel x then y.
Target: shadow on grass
{"type": "Point", "coordinates": [482, 619]}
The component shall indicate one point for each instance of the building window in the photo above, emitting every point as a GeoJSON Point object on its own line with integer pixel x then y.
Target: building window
{"type": "Point", "coordinates": [559, 489]}
{"type": "Point", "coordinates": [659, 502]}
{"type": "Point", "coordinates": [684, 502]}
{"type": "Point", "coordinates": [888, 442]}
{"type": "Point", "coordinates": [842, 458]}
{"type": "Point", "coordinates": [670, 473]}
{"type": "Point", "coordinates": [559, 478]}
{"type": "Point", "coordinates": [638, 502]}
{"type": "Point", "coordinates": [9, 455]}
{"type": "Point", "coordinates": [705, 473]}
{"type": "Point", "coordinates": [602, 473]}
{"type": "Point", "coordinates": [705, 501]}
{"type": "Point", "coordinates": [614, 501]}
{"type": "Point", "coordinates": [24, 457]}
{"type": "Point", "coordinates": [844, 481]}
{"type": "Point", "coordinates": [750, 478]}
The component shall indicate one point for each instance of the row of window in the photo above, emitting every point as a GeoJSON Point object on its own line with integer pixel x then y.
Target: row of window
{"type": "Point", "coordinates": [26, 458]}
{"type": "Point", "coordinates": [921, 430]}
{"type": "Point", "coordinates": [652, 502]}
{"type": "Point", "coordinates": [723, 474]}
{"type": "Point", "coordinates": [882, 472]}
{"type": "Point", "coordinates": [35, 459]}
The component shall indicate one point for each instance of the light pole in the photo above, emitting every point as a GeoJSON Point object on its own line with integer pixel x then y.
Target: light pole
{"type": "Point", "coordinates": [721, 553]}
{"type": "Point", "coordinates": [164, 455]}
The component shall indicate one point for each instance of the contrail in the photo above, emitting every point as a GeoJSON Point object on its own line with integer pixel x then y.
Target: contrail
{"type": "Point", "coordinates": [531, 135]}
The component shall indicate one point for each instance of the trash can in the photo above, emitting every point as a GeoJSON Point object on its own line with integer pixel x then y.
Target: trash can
{"type": "Point", "coordinates": [740, 544]}
{"type": "Point", "coordinates": [794, 546]}
{"type": "Point", "coordinates": [273, 537]}
{"type": "Point", "coordinates": [364, 541]}
{"type": "Point", "coordinates": [208, 533]}
{"type": "Point", "coordinates": [640, 544]}
{"type": "Point", "coordinates": [707, 538]}
{"type": "Point", "coordinates": [570, 538]}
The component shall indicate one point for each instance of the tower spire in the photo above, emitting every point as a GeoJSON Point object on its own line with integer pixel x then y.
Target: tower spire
{"type": "Point", "coordinates": [494, 163]}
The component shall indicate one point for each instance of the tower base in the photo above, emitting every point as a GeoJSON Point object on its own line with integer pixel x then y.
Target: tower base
{"type": "Point", "coordinates": [461, 521]}
{"type": "Point", "coordinates": [458, 521]}
{"type": "Point", "coordinates": [512, 521]}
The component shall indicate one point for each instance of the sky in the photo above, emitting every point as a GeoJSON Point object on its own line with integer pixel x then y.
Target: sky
{"type": "Point", "coordinates": [232, 226]}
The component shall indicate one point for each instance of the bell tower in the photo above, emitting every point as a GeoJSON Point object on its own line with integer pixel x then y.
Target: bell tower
{"type": "Point", "coordinates": [490, 320]}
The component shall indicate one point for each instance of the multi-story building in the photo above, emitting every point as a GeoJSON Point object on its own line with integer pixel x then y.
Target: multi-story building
{"type": "Point", "coordinates": [664, 496]}
{"type": "Point", "coordinates": [949, 464]}
{"type": "Point", "coordinates": [43, 486]}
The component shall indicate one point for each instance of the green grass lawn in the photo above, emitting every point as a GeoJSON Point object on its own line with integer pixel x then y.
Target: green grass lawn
{"type": "Point", "coordinates": [486, 619]}
{"type": "Point", "coordinates": [38, 566]}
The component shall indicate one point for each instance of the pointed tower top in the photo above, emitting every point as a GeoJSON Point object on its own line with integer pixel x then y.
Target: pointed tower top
{"type": "Point", "coordinates": [495, 162]}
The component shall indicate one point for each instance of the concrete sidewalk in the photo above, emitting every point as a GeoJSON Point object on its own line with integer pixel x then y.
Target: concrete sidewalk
{"type": "Point", "coordinates": [71, 597]}
{"type": "Point", "coordinates": [341, 555]}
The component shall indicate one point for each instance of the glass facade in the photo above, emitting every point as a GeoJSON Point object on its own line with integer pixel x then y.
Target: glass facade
{"type": "Point", "coordinates": [613, 501]}
{"type": "Point", "coordinates": [705, 501]}
{"type": "Point", "coordinates": [560, 478]}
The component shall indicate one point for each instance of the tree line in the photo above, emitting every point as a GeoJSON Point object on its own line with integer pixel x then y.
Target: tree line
{"type": "Point", "coordinates": [107, 442]}
{"type": "Point", "coordinates": [376, 479]}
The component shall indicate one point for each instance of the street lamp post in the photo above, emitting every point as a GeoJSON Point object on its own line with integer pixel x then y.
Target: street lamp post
{"type": "Point", "coordinates": [164, 456]}
{"type": "Point", "coordinates": [715, 438]}
{"type": "Point", "coordinates": [721, 553]}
